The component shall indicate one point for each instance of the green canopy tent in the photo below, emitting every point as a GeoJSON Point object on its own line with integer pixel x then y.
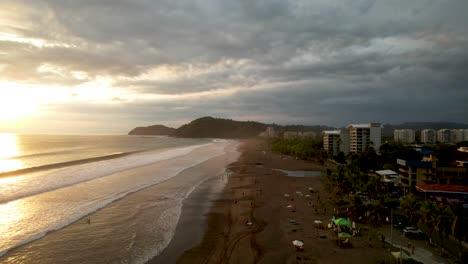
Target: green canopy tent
{"type": "Point", "coordinates": [400, 255]}
{"type": "Point", "coordinates": [342, 222]}
{"type": "Point", "coordinates": [344, 235]}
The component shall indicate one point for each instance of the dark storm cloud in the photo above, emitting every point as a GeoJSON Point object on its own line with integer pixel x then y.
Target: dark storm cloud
{"type": "Point", "coordinates": [324, 61]}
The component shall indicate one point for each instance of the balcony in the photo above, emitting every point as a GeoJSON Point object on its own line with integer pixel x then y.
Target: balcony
{"type": "Point", "coordinates": [405, 182]}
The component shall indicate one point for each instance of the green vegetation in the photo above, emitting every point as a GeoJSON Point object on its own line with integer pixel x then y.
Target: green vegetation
{"type": "Point", "coordinates": [152, 130]}
{"type": "Point", "coordinates": [302, 149]}
{"type": "Point", "coordinates": [448, 153]}
{"type": "Point", "coordinates": [364, 198]}
{"type": "Point", "coordinates": [209, 127]}
{"type": "Point", "coordinates": [359, 195]}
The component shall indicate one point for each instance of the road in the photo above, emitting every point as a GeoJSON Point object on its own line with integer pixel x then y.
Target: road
{"type": "Point", "coordinates": [423, 253]}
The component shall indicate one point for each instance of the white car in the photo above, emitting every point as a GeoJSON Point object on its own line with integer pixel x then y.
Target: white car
{"type": "Point", "coordinates": [410, 231]}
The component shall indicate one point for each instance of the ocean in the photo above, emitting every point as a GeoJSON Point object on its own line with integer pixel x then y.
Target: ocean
{"type": "Point", "coordinates": [99, 198]}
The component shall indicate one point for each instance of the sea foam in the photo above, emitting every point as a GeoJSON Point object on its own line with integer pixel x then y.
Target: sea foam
{"type": "Point", "coordinates": [21, 186]}
{"type": "Point", "coordinates": [92, 191]}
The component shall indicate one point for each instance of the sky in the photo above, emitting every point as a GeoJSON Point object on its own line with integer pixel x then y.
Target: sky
{"type": "Point", "coordinates": [107, 66]}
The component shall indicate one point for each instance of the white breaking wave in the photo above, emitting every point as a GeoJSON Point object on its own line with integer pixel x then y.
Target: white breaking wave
{"type": "Point", "coordinates": [66, 199]}
{"type": "Point", "coordinates": [16, 187]}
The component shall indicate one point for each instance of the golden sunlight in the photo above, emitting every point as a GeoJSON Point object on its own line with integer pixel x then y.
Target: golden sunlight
{"type": "Point", "coordinates": [15, 103]}
{"type": "Point", "coordinates": [8, 151]}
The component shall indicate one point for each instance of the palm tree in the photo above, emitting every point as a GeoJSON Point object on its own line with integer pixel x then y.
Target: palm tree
{"type": "Point", "coordinates": [410, 205]}
{"type": "Point", "coordinates": [377, 211]}
{"type": "Point", "coordinates": [429, 213]}
{"type": "Point", "coordinates": [458, 219]}
{"type": "Point", "coordinates": [444, 223]}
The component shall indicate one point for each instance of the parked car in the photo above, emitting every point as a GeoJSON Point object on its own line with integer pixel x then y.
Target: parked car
{"type": "Point", "coordinates": [410, 231]}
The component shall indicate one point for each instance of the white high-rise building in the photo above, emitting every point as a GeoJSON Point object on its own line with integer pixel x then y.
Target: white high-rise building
{"type": "Point", "coordinates": [353, 139]}
{"type": "Point", "coordinates": [404, 135]}
{"type": "Point", "coordinates": [331, 142]}
{"type": "Point", "coordinates": [445, 136]}
{"type": "Point", "coordinates": [362, 136]}
{"type": "Point", "coordinates": [428, 136]}
{"type": "Point", "coordinates": [344, 141]}
{"type": "Point", "coordinates": [460, 135]}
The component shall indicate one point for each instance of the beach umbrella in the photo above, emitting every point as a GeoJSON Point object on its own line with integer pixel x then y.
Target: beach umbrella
{"type": "Point", "coordinates": [298, 243]}
{"type": "Point", "coordinates": [344, 235]}
{"type": "Point", "coordinates": [400, 255]}
{"type": "Point", "coordinates": [342, 222]}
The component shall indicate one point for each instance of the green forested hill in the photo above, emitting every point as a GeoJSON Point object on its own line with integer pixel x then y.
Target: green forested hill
{"type": "Point", "coordinates": [152, 130]}
{"type": "Point", "coordinates": [209, 127]}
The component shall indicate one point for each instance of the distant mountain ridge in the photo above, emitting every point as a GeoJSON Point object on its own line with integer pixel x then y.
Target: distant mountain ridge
{"type": "Point", "coordinates": [210, 127]}
{"type": "Point", "coordinates": [152, 130]}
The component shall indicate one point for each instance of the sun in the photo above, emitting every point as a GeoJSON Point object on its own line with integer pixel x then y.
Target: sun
{"type": "Point", "coordinates": [16, 103]}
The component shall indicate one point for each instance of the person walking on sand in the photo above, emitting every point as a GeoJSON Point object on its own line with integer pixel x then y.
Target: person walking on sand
{"type": "Point", "coordinates": [409, 244]}
{"type": "Point", "coordinates": [89, 221]}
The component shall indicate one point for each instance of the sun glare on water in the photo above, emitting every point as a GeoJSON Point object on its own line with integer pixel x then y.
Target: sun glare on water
{"type": "Point", "coordinates": [8, 152]}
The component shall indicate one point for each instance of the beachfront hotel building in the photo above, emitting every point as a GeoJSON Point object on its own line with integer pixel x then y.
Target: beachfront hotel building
{"type": "Point", "coordinates": [355, 138]}
{"type": "Point", "coordinates": [362, 136]}
{"type": "Point", "coordinates": [331, 142]}
{"type": "Point", "coordinates": [445, 136]}
{"type": "Point", "coordinates": [404, 135]}
{"type": "Point", "coordinates": [460, 135]}
{"type": "Point", "coordinates": [428, 136]}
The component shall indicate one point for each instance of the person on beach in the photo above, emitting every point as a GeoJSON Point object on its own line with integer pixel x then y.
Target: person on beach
{"type": "Point", "coordinates": [412, 250]}
{"type": "Point", "coordinates": [89, 221]}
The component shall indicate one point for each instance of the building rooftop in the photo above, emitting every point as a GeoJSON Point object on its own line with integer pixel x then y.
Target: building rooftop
{"type": "Point", "coordinates": [360, 125]}
{"type": "Point", "coordinates": [332, 132]}
{"type": "Point", "coordinates": [442, 188]}
{"type": "Point", "coordinates": [426, 152]}
{"type": "Point", "coordinates": [386, 172]}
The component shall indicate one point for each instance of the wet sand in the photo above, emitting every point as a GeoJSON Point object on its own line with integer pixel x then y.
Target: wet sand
{"type": "Point", "coordinates": [251, 223]}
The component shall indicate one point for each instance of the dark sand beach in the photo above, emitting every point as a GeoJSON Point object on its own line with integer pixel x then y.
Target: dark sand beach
{"type": "Point", "coordinates": [251, 221]}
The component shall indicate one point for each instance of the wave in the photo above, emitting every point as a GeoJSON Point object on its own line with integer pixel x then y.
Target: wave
{"type": "Point", "coordinates": [95, 204]}
{"type": "Point", "coordinates": [65, 163]}
{"type": "Point", "coordinates": [48, 153]}
{"type": "Point", "coordinates": [54, 176]}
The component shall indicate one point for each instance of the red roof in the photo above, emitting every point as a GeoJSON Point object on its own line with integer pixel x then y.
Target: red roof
{"type": "Point", "coordinates": [442, 188]}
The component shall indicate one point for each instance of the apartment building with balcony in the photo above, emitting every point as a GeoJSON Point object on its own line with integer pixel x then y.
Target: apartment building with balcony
{"type": "Point", "coordinates": [428, 136]}
{"type": "Point", "coordinates": [445, 136]}
{"type": "Point", "coordinates": [404, 135]}
{"type": "Point", "coordinates": [413, 172]}
{"type": "Point", "coordinates": [331, 142]}
{"type": "Point", "coordinates": [355, 138]}
{"type": "Point", "coordinates": [362, 136]}
{"type": "Point", "coordinates": [460, 135]}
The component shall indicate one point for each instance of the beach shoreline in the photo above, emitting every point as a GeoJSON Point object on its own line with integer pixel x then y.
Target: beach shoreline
{"type": "Point", "coordinates": [252, 223]}
{"type": "Point", "coordinates": [135, 227]}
